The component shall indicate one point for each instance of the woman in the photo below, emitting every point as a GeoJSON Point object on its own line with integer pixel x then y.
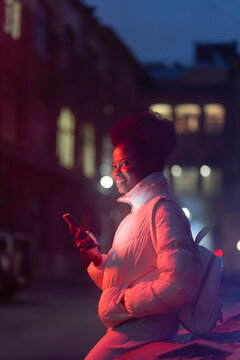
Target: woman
{"type": "Point", "coordinates": [150, 271]}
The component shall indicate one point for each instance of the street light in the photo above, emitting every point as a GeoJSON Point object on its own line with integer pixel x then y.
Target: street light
{"type": "Point", "coordinates": [238, 245]}
{"type": "Point", "coordinates": [176, 170]}
{"type": "Point", "coordinates": [106, 182]}
{"type": "Point", "coordinates": [205, 170]}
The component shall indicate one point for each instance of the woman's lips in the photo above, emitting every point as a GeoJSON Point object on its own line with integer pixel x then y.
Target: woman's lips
{"type": "Point", "coordinates": [119, 182]}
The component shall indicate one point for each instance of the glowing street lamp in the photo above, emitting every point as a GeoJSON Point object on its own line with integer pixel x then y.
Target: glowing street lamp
{"type": "Point", "coordinates": [176, 170]}
{"type": "Point", "coordinates": [205, 170]}
{"type": "Point", "coordinates": [238, 245]}
{"type": "Point", "coordinates": [106, 182]}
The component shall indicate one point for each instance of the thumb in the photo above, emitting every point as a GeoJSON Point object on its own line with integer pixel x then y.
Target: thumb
{"type": "Point", "coordinates": [93, 237]}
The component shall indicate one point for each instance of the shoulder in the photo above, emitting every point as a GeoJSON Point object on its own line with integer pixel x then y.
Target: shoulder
{"type": "Point", "coordinates": [166, 204]}
{"type": "Point", "coordinates": [166, 209]}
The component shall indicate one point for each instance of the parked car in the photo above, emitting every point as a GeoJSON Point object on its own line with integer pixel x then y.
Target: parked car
{"type": "Point", "coordinates": [16, 262]}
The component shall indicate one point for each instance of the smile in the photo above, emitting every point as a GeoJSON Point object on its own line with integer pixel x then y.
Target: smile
{"type": "Point", "coordinates": [120, 181]}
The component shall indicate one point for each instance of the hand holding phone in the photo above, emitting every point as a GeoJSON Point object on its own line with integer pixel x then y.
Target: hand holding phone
{"type": "Point", "coordinates": [83, 240]}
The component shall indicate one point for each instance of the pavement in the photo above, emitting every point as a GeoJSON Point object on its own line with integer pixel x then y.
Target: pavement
{"type": "Point", "coordinates": [51, 321]}
{"type": "Point", "coordinates": [59, 320]}
{"type": "Point", "coordinates": [222, 343]}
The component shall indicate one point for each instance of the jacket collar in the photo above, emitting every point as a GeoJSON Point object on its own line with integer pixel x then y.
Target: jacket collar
{"type": "Point", "coordinates": [151, 186]}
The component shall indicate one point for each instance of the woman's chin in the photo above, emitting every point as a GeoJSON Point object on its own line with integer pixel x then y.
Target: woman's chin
{"type": "Point", "coordinates": [122, 189]}
{"type": "Point", "coordinates": [122, 192]}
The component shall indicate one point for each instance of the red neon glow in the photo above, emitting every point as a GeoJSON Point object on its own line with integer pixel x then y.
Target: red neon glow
{"type": "Point", "coordinates": [218, 252]}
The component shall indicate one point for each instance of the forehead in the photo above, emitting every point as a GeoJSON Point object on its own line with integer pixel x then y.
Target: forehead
{"type": "Point", "coordinates": [123, 151]}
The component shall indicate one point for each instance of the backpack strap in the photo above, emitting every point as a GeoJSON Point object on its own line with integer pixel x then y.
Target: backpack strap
{"type": "Point", "coordinates": [203, 280]}
{"type": "Point", "coordinates": [168, 197]}
{"type": "Point", "coordinates": [201, 235]}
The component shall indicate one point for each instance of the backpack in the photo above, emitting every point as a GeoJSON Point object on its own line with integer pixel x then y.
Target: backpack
{"type": "Point", "coordinates": [200, 316]}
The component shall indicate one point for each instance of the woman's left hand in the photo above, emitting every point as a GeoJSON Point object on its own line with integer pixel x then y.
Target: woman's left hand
{"type": "Point", "coordinates": [87, 243]}
{"type": "Point", "coordinates": [112, 312]}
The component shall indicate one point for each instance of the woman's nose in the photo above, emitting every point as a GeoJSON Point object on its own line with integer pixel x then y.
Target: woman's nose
{"type": "Point", "coordinates": [117, 170]}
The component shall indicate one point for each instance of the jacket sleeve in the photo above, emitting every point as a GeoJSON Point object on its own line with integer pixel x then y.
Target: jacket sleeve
{"type": "Point", "coordinates": [97, 272]}
{"type": "Point", "coordinates": [176, 262]}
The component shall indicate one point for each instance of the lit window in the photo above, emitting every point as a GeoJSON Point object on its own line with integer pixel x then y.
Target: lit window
{"type": "Point", "coordinates": [214, 118]}
{"type": "Point", "coordinates": [187, 180]}
{"type": "Point", "coordinates": [187, 118]}
{"type": "Point", "coordinates": [213, 182]}
{"type": "Point", "coordinates": [65, 138]}
{"type": "Point", "coordinates": [89, 151]}
{"type": "Point", "coordinates": [12, 18]}
{"type": "Point", "coordinates": [165, 109]}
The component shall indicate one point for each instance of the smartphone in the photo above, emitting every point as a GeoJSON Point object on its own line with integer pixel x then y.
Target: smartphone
{"type": "Point", "coordinates": [83, 234]}
{"type": "Point", "coordinates": [76, 226]}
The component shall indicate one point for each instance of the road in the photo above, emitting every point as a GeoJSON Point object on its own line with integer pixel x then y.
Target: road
{"type": "Point", "coordinates": [50, 322]}
{"type": "Point", "coordinates": [59, 321]}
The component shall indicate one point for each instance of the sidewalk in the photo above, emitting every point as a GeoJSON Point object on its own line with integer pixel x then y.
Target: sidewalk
{"type": "Point", "coordinates": [52, 321]}
{"type": "Point", "coordinates": [223, 343]}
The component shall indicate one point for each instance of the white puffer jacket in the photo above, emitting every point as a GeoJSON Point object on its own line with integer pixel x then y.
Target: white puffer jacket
{"type": "Point", "coordinates": [151, 262]}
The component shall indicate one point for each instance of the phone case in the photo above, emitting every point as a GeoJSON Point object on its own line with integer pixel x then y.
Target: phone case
{"type": "Point", "coordinates": [71, 221]}
{"type": "Point", "coordinates": [83, 234]}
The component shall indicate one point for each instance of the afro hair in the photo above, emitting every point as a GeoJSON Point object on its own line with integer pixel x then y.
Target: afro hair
{"type": "Point", "coordinates": [149, 134]}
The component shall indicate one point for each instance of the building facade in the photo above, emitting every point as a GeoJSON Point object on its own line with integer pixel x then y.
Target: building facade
{"type": "Point", "coordinates": [65, 80]}
{"type": "Point", "coordinates": [203, 101]}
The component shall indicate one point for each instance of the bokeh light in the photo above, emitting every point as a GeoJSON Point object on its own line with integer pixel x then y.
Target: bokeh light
{"type": "Point", "coordinates": [187, 213]}
{"type": "Point", "coordinates": [176, 170]}
{"type": "Point", "coordinates": [238, 245]}
{"type": "Point", "coordinates": [205, 170]}
{"type": "Point", "coordinates": [106, 182]}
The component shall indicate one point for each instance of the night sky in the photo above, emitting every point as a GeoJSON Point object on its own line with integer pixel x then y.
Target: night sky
{"type": "Point", "coordinates": [165, 31]}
